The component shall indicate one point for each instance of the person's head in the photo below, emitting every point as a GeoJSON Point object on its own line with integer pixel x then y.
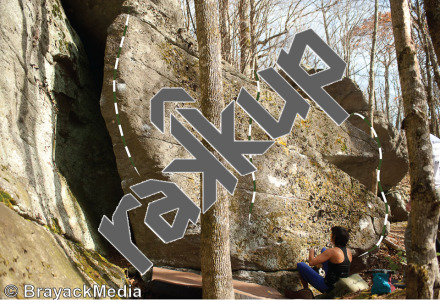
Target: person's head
{"type": "Point", "coordinates": [339, 236]}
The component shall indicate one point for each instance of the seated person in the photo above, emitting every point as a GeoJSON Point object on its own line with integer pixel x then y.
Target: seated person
{"type": "Point", "coordinates": [335, 262]}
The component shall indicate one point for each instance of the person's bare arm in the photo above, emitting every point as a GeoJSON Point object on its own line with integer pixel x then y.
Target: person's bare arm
{"type": "Point", "coordinates": [323, 257]}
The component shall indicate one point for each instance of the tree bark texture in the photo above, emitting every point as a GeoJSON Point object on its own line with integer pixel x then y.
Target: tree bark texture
{"type": "Point", "coordinates": [422, 268]}
{"type": "Point", "coordinates": [245, 37]}
{"type": "Point", "coordinates": [433, 124]}
{"type": "Point", "coordinates": [371, 95]}
{"type": "Point", "coordinates": [434, 62]}
{"type": "Point", "coordinates": [225, 30]}
{"type": "Point", "coordinates": [253, 33]}
{"type": "Point", "coordinates": [387, 88]}
{"type": "Point", "coordinates": [324, 19]}
{"type": "Point", "coordinates": [399, 111]}
{"type": "Point", "coordinates": [432, 8]}
{"type": "Point", "coordinates": [214, 240]}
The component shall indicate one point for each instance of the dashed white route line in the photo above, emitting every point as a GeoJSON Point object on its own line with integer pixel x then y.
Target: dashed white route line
{"type": "Point", "coordinates": [115, 100]}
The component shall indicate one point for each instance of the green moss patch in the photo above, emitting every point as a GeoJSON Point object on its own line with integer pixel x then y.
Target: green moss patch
{"type": "Point", "coordinates": [342, 141]}
{"type": "Point", "coordinates": [55, 227]}
{"type": "Point", "coordinates": [56, 11]}
{"type": "Point", "coordinates": [95, 266]}
{"type": "Point", "coordinates": [7, 199]}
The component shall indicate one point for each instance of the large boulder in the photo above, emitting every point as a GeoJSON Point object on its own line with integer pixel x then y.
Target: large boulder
{"type": "Point", "coordinates": [299, 195]}
{"type": "Point", "coordinates": [397, 203]}
{"type": "Point", "coordinates": [361, 164]}
{"type": "Point", "coordinates": [55, 153]}
{"type": "Point", "coordinates": [394, 152]}
{"type": "Point", "coordinates": [348, 94]}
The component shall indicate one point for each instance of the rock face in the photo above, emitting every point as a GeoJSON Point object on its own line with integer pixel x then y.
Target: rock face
{"type": "Point", "coordinates": [361, 164]}
{"type": "Point", "coordinates": [55, 154]}
{"type": "Point", "coordinates": [92, 17]}
{"type": "Point", "coordinates": [348, 95]}
{"type": "Point", "coordinates": [300, 195]}
{"type": "Point", "coordinates": [398, 206]}
{"type": "Point", "coordinates": [31, 254]}
{"type": "Point", "coordinates": [394, 153]}
{"type": "Point", "coordinates": [395, 157]}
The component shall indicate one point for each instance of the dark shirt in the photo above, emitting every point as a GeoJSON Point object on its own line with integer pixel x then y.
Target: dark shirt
{"type": "Point", "coordinates": [336, 271]}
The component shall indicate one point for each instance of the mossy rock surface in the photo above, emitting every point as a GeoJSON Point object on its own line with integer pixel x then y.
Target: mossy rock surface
{"type": "Point", "coordinates": [6, 199]}
{"type": "Point", "coordinates": [300, 195]}
{"type": "Point", "coordinates": [31, 254]}
{"type": "Point", "coordinates": [55, 153]}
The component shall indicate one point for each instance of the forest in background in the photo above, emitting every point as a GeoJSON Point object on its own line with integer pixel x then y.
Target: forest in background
{"type": "Point", "coordinates": [255, 31]}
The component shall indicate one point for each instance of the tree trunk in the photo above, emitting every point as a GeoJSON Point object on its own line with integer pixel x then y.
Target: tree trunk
{"type": "Point", "coordinates": [399, 112]}
{"type": "Point", "coordinates": [190, 18]}
{"type": "Point", "coordinates": [253, 28]}
{"type": "Point", "coordinates": [214, 240]}
{"type": "Point", "coordinates": [224, 30]}
{"type": "Point", "coordinates": [324, 19]}
{"type": "Point", "coordinates": [434, 63]}
{"type": "Point", "coordinates": [432, 8]}
{"type": "Point", "coordinates": [422, 268]}
{"type": "Point", "coordinates": [245, 37]}
{"type": "Point", "coordinates": [399, 109]}
{"type": "Point", "coordinates": [387, 87]}
{"type": "Point", "coordinates": [433, 121]}
{"type": "Point", "coordinates": [433, 124]}
{"type": "Point", "coordinates": [371, 95]}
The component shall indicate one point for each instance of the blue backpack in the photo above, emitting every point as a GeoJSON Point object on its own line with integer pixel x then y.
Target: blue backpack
{"type": "Point", "coordinates": [381, 284]}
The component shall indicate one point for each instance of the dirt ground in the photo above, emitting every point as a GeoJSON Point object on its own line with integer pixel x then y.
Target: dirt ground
{"type": "Point", "coordinates": [391, 255]}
